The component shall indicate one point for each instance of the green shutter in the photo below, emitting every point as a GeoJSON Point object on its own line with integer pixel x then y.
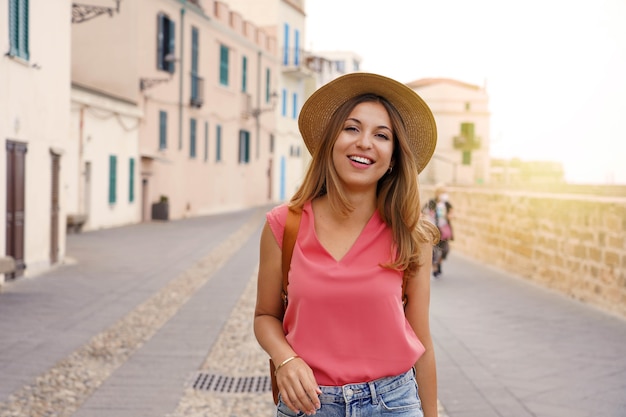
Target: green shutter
{"type": "Point", "coordinates": [223, 65]}
{"type": "Point", "coordinates": [192, 138]}
{"type": "Point", "coordinates": [131, 181]}
{"type": "Point", "coordinates": [218, 143]}
{"type": "Point", "coordinates": [18, 29]}
{"type": "Point", "coordinates": [162, 130]}
{"type": "Point", "coordinates": [244, 74]}
{"type": "Point", "coordinates": [206, 141]}
{"type": "Point", "coordinates": [112, 178]}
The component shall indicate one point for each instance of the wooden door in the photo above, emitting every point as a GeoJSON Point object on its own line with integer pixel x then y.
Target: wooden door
{"type": "Point", "coordinates": [16, 187]}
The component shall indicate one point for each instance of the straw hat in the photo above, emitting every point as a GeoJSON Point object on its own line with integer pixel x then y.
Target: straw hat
{"type": "Point", "coordinates": [324, 102]}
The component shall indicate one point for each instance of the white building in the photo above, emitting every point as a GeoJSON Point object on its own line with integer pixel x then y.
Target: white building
{"type": "Point", "coordinates": [462, 115]}
{"type": "Point", "coordinates": [35, 129]}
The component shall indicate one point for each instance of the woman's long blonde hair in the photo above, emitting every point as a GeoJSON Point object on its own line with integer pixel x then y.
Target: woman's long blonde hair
{"type": "Point", "coordinates": [398, 199]}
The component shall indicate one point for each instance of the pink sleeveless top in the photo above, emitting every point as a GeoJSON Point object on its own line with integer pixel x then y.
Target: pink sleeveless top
{"type": "Point", "coordinates": [345, 318]}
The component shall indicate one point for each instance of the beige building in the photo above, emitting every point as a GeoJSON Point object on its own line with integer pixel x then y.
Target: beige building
{"type": "Point", "coordinates": [285, 19]}
{"type": "Point", "coordinates": [462, 115]}
{"type": "Point", "coordinates": [195, 80]}
{"type": "Point", "coordinates": [34, 127]}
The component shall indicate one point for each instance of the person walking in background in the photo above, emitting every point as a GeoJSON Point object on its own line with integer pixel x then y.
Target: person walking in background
{"type": "Point", "coordinates": [440, 211]}
{"type": "Point", "coordinates": [350, 342]}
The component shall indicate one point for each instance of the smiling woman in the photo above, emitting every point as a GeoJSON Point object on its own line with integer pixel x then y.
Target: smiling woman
{"type": "Point", "coordinates": [362, 250]}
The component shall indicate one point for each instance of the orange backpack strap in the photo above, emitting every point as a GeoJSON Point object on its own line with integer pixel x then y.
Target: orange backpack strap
{"type": "Point", "coordinates": [405, 298]}
{"type": "Point", "coordinates": [292, 225]}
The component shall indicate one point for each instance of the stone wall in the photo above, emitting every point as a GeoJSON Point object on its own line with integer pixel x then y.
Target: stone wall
{"type": "Point", "coordinates": [575, 244]}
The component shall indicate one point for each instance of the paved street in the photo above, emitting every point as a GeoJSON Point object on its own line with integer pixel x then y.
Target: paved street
{"type": "Point", "coordinates": [155, 320]}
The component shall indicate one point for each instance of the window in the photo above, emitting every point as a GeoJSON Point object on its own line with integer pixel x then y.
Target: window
{"type": "Point", "coordinates": [192, 138]}
{"type": "Point", "coordinates": [195, 79]}
{"type": "Point", "coordinates": [294, 111]}
{"type": "Point", "coordinates": [268, 95]}
{"type": "Point", "coordinates": [296, 48]}
{"type": "Point", "coordinates": [223, 65]}
{"type": "Point", "coordinates": [284, 109]}
{"type": "Point", "coordinates": [162, 130]}
{"type": "Point", "coordinates": [468, 106]}
{"type": "Point", "coordinates": [286, 50]}
{"type": "Point", "coordinates": [244, 146]}
{"type": "Point", "coordinates": [165, 43]}
{"type": "Point", "coordinates": [18, 29]}
{"type": "Point", "coordinates": [271, 143]}
{"type": "Point", "coordinates": [244, 74]}
{"type": "Point", "coordinates": [131, 180]}
{"type": "Point", "coordinates": [206, 141]}
{"type": "Point", "coordinates": [218, 143]}
{"type": "Point", "coordinates": [112, 179]}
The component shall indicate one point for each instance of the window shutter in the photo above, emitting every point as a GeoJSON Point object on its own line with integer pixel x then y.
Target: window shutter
{"type": "Point", "coordinates": [244, 75]}
{"type": "Point", "coordinates": [18, 29]}
{"type": "Point", "coordinates": [286, 51]}
{"type": "Point", "coordinates": [160, 41]}
{"type": "Point", "coordinates": [206, 141]}
{"type": "Point", "coordinates": [218, 143]}
{"type": "Point", "coordinates": [194, 51]}
{"type": "Point", "coordinates": [172, 46]}
{"type": "Point", "coordinates": [223, 65]}
{"type": "Point", "coordinates": [267, 85]}
{"type": "Point", "coordinates": [112, 178]}
{"type": "Point", "coordinates": [131, 179]}
{"type": "Point", "coordinates": [192, 138]}
{"type": "Point", "coordinates": [296, 48]}
{"type": "Point", "coordinates": [162, 130]}
{"type": "Point", "coordinates": [25, 53]}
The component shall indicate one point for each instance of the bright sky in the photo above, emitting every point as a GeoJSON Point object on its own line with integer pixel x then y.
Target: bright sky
{"type": "Point", "coordinates": [555, 70]}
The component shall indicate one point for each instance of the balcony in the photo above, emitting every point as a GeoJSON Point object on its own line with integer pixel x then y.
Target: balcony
{"type": "Point", "coordinates": [197, 91]}
{"type": "Point", "coordinates": [297, 63]}
{"type": "Point", "coordinates": [467, 142]}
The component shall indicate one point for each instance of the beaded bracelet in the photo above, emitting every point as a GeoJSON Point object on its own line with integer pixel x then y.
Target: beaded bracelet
{"type": "Point", "coordinates": [285, 362]}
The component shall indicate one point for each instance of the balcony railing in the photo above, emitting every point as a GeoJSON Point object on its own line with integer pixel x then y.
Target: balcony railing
{"type": "Point", "coordinates": [197, 91]}
{"type": "Point", "coordinates": [298, 61]}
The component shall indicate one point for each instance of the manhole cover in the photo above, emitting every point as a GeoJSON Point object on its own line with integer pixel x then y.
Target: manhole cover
{"type": "Point", "coordinates": [230, 384]}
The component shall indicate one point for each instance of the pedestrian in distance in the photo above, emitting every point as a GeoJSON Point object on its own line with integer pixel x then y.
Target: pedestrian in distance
{"type": "Point", "coordinates": [354, 336]}
{"type": "Point", "coordinates": [439, 210]}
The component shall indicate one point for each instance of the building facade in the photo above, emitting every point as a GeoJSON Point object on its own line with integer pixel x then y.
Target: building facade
{"type": "Point", "coordinates": [34, 127]}
{"type": "Point", "coordinates": [199, 78]}
{"type": "Point", "coordinates": [461, 111]}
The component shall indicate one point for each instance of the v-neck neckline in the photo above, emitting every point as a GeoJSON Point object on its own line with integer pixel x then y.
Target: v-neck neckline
{"type": "Point", "coordinates": [352, 247]}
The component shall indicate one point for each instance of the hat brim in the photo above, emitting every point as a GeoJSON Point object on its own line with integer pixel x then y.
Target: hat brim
{"type": "Point", "coordinates": [417, 116]}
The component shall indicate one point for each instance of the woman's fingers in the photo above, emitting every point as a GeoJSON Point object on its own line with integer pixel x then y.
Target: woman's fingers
{"type": "Point", "coordinates": [298, 387]}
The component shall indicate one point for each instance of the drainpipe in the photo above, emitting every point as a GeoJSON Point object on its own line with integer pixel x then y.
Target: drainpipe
{"type": "Point", "coordinates": [180, 77]}
{"type": "Point", "coordinates": [258, 105]}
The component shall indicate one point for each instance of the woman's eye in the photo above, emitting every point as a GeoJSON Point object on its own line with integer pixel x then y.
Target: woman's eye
{"type": "Point", "coordinates": [351, 128]}
{"type": "Point", "coordinates": [382, 135]}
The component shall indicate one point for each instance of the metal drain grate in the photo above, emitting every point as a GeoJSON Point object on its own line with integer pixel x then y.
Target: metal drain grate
{"type": "Point", "coordinates": [230, 384]}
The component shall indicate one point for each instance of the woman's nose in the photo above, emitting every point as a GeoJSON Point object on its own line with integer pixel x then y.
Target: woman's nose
{"type": "Point", "coordinates": [364, 141]}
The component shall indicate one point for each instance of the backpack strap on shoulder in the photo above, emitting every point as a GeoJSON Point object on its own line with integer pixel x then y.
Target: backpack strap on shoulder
{"type": "Point", "coordinates": [292, 225]}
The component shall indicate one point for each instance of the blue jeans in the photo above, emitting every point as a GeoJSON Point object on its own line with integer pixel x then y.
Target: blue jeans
{"type": "Point", "coordinates": [391, 396]}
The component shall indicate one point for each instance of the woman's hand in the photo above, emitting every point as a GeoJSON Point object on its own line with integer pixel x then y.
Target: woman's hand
{"type": "Point", "coordinates": [298, 388]}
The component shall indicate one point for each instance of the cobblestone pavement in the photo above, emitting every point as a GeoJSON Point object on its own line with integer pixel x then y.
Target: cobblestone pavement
{"type": "Point", "coordinates": [148, 313]}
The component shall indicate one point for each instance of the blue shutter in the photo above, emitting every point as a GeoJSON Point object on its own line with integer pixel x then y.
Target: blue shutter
{"type": "Point", "coordinates": [112, 178]}
{"type": "Point", "coordinates": [296, 48]}
{"type": "Point", "coordinates": [284, 109]}
{"type": "Point", "coordinates": [294, 112]}
{"type": "Point", "coordinates": [131, 179]}
{"type": "Point", "coordinates": [286, 43]}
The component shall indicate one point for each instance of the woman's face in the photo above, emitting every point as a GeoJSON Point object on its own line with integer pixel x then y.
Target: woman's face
{"type": "Point", "coordinates": [364, 148]}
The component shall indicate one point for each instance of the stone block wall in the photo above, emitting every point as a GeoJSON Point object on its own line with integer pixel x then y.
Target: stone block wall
{"type": "Point", "coordinates": [575, 244]}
